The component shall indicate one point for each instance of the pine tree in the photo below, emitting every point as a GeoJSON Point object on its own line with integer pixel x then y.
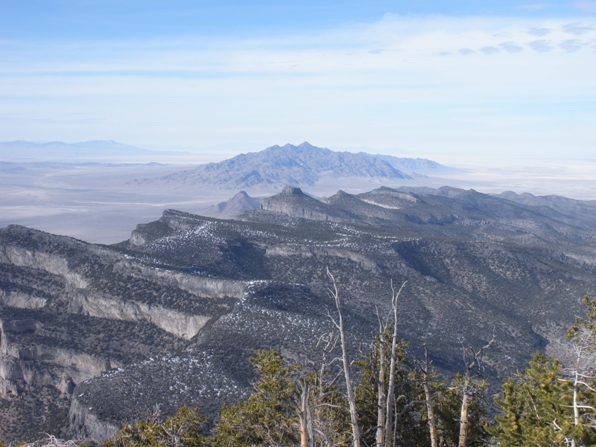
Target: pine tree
{"type": "Point", "coordinates": [184, 429]}
{"type": "Point", "coordinates": [448, 397]}
{"type": "Point", "coordinates": [534, 407]}
{"type": "Point", "coordinates": [550, 405]}
{"type": "Point", "coordinates": [330, 414]}
{"type": "Point", "coordinates": [410, 415]}
{"type": "Point", "coordinates": [581, 375]}
{"type": "Point", "coordinates": [267, 416]}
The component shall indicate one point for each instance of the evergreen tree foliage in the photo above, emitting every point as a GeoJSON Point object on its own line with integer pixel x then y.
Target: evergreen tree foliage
{"type": "Point", "coordinates": [586, 324]}
{"type": "Point", "coordinates": [535, 407]}
{"type": "Point", "coordinates": [184, 429]}
{"type": "Point", "coordinates": [546, 405]}
{"type": "Point", "coordinates": [330, 415]}
{"type": "Point", "coordinates": [267, 416]}
{"type": "Point", "coordinates": [448, 403]}
{"type": "Point", "coordinates": [581, 376]}
{"type": "Point", "coordinates": [412, 417]}
{"type": "Point", "coordinates": [410, 421]}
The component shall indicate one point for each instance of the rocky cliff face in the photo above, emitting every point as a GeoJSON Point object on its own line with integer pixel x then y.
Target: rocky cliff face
{"type": "Point", "coordinates": [71, 311]}
{"type": "Point", "coordinates": [93, 335]}
{"type": "Point", "coordinates": [292, 202]}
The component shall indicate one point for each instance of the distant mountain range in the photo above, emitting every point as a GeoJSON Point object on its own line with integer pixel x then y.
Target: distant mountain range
{"type": "Point", "coordinates": [301, 165]}
{"type": "Point", "coordinates": [94, 335]}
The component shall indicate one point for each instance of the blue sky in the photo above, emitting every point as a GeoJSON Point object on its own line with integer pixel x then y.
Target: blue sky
{"type": "Point", "coordinates": [110, 19]}
{"type": "Point", "coordinates": [466, 80]}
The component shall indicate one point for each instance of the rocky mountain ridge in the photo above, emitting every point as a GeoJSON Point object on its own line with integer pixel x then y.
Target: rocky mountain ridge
{"type": "Point", "coordinates": [301, 165]}
{"type": "Point", "coordinates": [240, 204]}
{"type": "Point", "coordinates": [91, 335]}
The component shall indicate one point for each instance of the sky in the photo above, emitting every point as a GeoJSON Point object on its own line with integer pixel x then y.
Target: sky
{"type": "Point", "coordinates": [456, 81]}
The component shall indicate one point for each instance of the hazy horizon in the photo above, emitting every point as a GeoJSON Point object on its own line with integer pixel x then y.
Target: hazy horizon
{"type": "Point", "coordinates": [171, 154]}
{"type": "Point", "coordinates": [502, 90]}
{"type": "Point", "coordinates": [472, 82]}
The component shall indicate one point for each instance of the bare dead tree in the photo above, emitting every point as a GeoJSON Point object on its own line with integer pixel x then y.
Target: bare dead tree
{"type": "Point", "coordinates": [581, 377]}
{"type": "Point", "coordinates": [322, 424]}
{"type": "Point", "coordinates": [304, 413]}
{"type": "Point", "coordinates": [425, 370]}
{"type": "Point", "coordinates": [381, 386]}
{"type": "Point", "coordinates": [390, 400]}
{"type": "Point", "coordinates": [311, 390]}
{"type": "Point", "coordinates": [51, 441]}
{"type": "Point", "coordinates": [473, 363]}
{"type": "Point", "coordinates": [339, 325]}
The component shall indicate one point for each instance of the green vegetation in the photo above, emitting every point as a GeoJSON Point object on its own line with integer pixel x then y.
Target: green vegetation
{"type": "Point", "coordinates": [551, 405]}
{"type": "Point", "coordinates": [267, 416]}
{"type": "Point", "coordinates": [531, 404]}
{"type": "Point", "coordinates": [184, 429]}
{"type": "Point", "coordinates": [292, 404]}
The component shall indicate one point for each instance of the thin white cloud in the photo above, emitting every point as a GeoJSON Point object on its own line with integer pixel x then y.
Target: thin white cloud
{"type": "Point", "coordinates": [382, 45]}
{"type": "Point", "coordinates": [540, 32]}
{"type": "Point", "coordinates": [459, 84]}
{"type": "Point", "coordinates": [489, 50]}
{"type": "Point", "coordinates": [466, 51]}
{"type": "Point", "coordinates": [579, 28]}
{"type": "Point", "coordinates": [541, 46]}
{"type": "Point", "coordinates": [511, 47]}
{"type": "Point", "coordinates": [571, 45]}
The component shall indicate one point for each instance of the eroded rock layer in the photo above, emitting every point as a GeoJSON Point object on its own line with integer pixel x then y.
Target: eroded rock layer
{"type": "Point", "coordinates": [91, 335]}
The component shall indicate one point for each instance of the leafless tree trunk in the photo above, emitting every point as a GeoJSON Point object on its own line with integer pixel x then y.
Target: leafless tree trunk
{"type": "Point", "coordinates": [304, 415]}
{"type": "Point", "coordinates": [575, 390]}
{"type": "Point", "coordinates": [582, 346]}
{"type": "Point", "coordinates": [472, 361]}
{"type": "Point", "coordinates": [389, 414]}
{"type": "Point", "coordinates": [430, 411]}
{"type": "Point", "coordinates": [339, 324]}
{"type": "Point", "coordinates": [323, 426]}
{"type": "Point", "coordinates": [309, 426]}
{"type": "Point", "coordinates": [463, 417]}
{"type": "Point", "coordinates": [380, 436]}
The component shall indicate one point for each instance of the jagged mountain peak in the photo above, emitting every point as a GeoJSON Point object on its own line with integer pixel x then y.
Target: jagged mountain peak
{"type": "Point", "coordinates": [341, 193]}
{"type": "Point", "coordinates": [339, 196]}
{"type": "Point", "coordinates": [238, 198]}
{"type": "Point", "coordinates": [301, 165]}
{"type": "Point", "coordinates": [171, 212]}
{"type": "Point", "coordinates": [292, 202]}
{"type": "Point", "coordinates": [305, 145]}
{"type": "Point", "coordinates": [171, 316]}
{"type": "Point", "coordinates": [291, 191]}
{"type": "Point", "coordinates": [239, 204]}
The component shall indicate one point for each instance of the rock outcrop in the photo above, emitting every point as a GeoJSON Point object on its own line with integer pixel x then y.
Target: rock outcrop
{"type": "Point", "coordinates": [94, 335]}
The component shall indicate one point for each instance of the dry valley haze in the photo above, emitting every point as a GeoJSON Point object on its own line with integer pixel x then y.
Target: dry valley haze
{"type": "Point", "coordinates": [315, 224]}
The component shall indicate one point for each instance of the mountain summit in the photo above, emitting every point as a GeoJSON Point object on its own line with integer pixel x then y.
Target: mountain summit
{"type": "Point", "coordinates": [239, 204]}
{"type": "Point", "coordinates": [93, 335]}
{"type": "Point", "coordinates": [301, 165]}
